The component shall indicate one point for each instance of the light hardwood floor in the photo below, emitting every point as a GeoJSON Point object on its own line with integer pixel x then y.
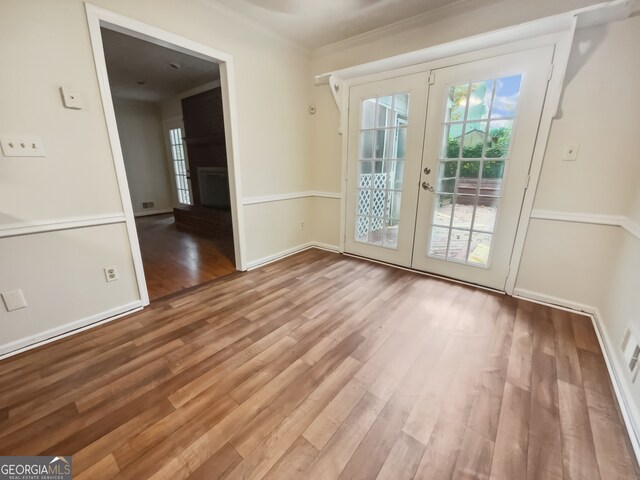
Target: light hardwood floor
{"type": "Point", "coordinates": [176, 258]}
{"type": "Point", "coordinates": [323, 366]}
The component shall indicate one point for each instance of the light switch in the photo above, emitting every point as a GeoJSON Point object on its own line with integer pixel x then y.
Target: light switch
{"type": "Point", "coordinates": [22, 145]}
{"type": "Point", "coordinates": [70, 98]}
{"type": "Point", "coordinates": [570, 152]}
{"type": "Point", "coordinates": [14, 300]}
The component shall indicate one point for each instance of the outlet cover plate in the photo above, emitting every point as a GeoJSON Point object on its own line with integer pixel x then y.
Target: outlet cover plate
{"type": "Point", "coordinates": [111, 274]}
{"type": "Point", "coordinates": [14, 300]}
{"type": "Point", "coordinates": [26, 145]}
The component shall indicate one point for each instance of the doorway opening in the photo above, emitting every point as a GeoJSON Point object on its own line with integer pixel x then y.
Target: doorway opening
{"type": "Point", "coordinates": [171, 126]}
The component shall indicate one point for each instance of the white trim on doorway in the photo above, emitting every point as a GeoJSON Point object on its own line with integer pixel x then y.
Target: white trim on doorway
{"type": "Point", "coordinates": [97, 18]}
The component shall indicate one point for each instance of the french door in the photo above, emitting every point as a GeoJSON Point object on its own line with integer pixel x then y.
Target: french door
{"type": "Point", "coordinates": [386, 130]}
{"type": "Point", "coordinates": [464, 198]}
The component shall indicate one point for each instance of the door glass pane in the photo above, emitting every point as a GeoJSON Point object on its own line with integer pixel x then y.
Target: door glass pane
{"type": "Point", "coordinates": [438, 243]}
{"type": "Point", "coordinates": [446, 185]}
{"type": "Point", "coordinates": [506, 97]}
{"type": "Point", "coordinates": [383, 135]}
{"type": "Point", "coordinates": [473, 139]}
{"type": "Point", "coordinates": [458, 245]}
{"type": "Point", "coordinates": [457, 103]}
{"type": "Point", "coordinates": [479, 249]}
{"type": "Point", "coordinates": [492, 175]}
{"type": "Point", "coordinates": [443, 209]}
{"type": "Point", "coordinates": [499, 139]}
{"type": "Point", "coordinates": [463, 211]}
{"type": "Point", "coordinates": [401, 109]}
{"type": "Point", "coordinates": [368, 112]}
{"type": "Point", "coordinates": [477, 132]}
{"type": "Point", "coordinates": [480, 100]}
{"type": "Point", "coordinates": [395, 172]}
{"type": "Point", "coordinates": [451, 141]}
{"type": "Point", "coordinates": [366, 143]}
{"type": "Point", "coordinates": [485, 218]}
{"type": "Point", "coordinates": [383, 117]}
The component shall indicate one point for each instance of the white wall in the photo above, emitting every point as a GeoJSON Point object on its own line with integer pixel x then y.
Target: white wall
{"type": "Point", "coordinates": [145, 154]}
{"type": "Point", "coordinates": [47, 44]}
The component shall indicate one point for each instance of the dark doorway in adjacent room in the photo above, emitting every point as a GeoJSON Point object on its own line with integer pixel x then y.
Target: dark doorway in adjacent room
{"type": "Point", "coordinates": [170, 117]}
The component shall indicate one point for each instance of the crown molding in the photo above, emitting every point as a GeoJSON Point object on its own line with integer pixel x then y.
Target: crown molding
{"type": "Point", "coordinates": [255, 25]}
{"type": "Point", "coordinates": [417, 21]}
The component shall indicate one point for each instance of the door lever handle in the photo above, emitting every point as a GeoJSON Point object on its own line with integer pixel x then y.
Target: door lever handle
{"type": "Point", "coordinates": [426, 186]}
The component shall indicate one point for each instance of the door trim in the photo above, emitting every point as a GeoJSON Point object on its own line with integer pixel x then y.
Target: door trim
{"type": "Point", "coordinates": [562, 43]}
{"type": "Point", "coordinates": [96, 19]}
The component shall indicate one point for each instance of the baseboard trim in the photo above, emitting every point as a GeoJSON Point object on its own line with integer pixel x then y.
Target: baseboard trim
{"type": "Point", "coordinates": [290, 251]}
{"type": "Point", "coordinates": [153, 212]}
{"type": "Point", "coordinates": [630, 413]}
{"type": "Point", "coordinates": [28, 343]}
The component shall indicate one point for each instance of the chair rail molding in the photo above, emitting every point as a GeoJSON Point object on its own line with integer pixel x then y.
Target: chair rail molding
{"type": "Point", "coordinates": [289, 196]}
{"type": "Point", "coordinates": [621, 221]}
{"type": "Point", "coordinates": [55, 224]}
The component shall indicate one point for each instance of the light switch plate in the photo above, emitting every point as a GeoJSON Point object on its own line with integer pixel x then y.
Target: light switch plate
{"type": "Point", "coordinates": [25, 145]}
{"type": "Point", "coordinates": [14, 300]}
{"type": "Point", "coordinates": [70, 98]}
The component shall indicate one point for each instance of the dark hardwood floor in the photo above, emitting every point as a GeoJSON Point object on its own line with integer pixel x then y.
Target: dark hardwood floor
{"type": "Point", "coordinates": [176, 258]}
{"type": "Point", "coordinates": [323, 366]}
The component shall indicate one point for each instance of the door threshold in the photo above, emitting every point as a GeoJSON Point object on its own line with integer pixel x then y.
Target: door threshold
{"type": "Point", "coordinates": [428, 274]}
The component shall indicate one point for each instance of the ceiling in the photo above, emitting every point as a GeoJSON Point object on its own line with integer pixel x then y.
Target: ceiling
{"type": "Point", "coordinates": [315, 23]}
{"type": "Point", "coordinates": [131, 60]}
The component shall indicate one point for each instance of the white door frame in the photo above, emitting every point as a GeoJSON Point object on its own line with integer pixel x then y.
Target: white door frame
{"type": "Point", "coordinates": [98, 17]}
{"type": "Point", "coordinates": [562, 45]}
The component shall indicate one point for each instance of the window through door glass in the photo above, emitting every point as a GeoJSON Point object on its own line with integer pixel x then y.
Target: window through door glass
{"type": "Point", "coordinates": [383, 135]}
{"type": "Point", "coordinates": [474, 159]}
{"type": "Point", "coordinates": [180, 166]}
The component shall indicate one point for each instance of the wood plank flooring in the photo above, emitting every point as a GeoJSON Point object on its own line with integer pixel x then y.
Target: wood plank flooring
{"type": "Point", "coordinates": [176, 258]}
{"type": "Point", "coordinates": [325, 367]}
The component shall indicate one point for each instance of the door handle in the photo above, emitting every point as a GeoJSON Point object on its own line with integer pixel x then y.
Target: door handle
{"type": "Point", "coordinates": [426, 186]}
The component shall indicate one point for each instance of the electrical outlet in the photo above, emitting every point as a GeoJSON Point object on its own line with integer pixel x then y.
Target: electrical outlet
{"type": "Point", "coordinates": [22, 145]}
{"type": "Point", "coordinates": [111, 273]}
{"type": "Point", "coordinates": [301, 225]}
